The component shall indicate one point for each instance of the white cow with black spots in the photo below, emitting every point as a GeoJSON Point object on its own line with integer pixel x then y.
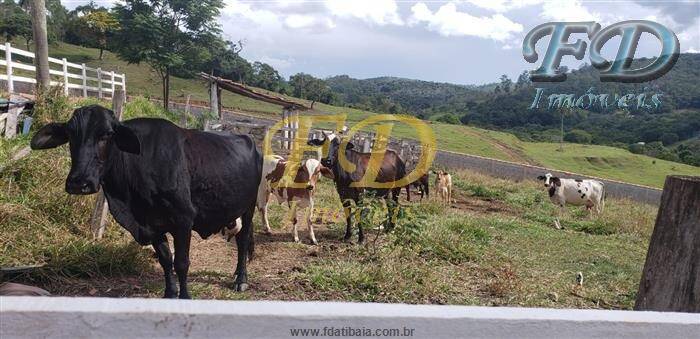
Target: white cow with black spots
{"type": "Point", "coordinates": [577, 192]}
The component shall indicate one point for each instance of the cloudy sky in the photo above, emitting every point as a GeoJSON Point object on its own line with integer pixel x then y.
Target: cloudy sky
{"type": "Point", "coordinates": [465, 42]}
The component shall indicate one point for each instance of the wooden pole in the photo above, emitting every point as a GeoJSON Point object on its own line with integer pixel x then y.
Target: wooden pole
{"type": "Point", "coordinates": [8, 67]}
{"type": "Point", "coordinates": [285, 133]}
{"type": "Point", "coordinates": [41, 45]}
{"type": "Point", "coordinates": [65, 76]}
{"type": "Point", "coordinates": [99, 83]}
{"type": "Point", "coordinates": [11, 121]}
{"type": "Point", "coordinates": [671, 275]}
{"type": "Point", "coordinates": [99, 214]}
{"type": "Point", "coordinates": [84, 71]}
{"type": "Point", "coordinates": [186, 113]}
{"type": "Point", "coordinates": [213, 103]}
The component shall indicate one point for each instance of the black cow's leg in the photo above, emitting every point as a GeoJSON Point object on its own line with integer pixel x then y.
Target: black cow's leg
{"type": "Point", "coordinates": [182, 260]}
{"type": "Point", "coordinates": [363, 218]}
{"type": "Point", "coordinates": [392, 209]}
{"type": "Point", "coordinates": [165, 258]}
{"type": "Point", "coordinates": [244, 245]}
{"type": "Point", "coordinates": [348, 218]}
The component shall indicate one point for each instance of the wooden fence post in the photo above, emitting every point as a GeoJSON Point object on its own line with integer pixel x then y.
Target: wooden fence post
{"type": "Point", "coordinates": [99, 83]}
{"type": "Point", "coordinates": [84, 71]}
{"type": "Point", "coordinates": [65, 76]}
{"type": "Point", "coordinates": [111, 77]}
{"type": "Point", "coordinates": [213, 102]}
{"type": "Point", "coordinates": [285, 129]}
{"type": "Point", "coordinates": [11, 121]}
{"type": "Point", "coordinates": [186, 113]}
{"type": "Point", "coordinates": [671, 275]}
{"type": "Point", "coordinates": [99, 214]}
{"type": "Point", "coordinates": [8, 68]}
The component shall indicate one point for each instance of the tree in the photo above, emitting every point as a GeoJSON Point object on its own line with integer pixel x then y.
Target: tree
{"type": "Point", "coordinates": [41, 46]}
{"type": "Point", "coordinates": [578, 136]}
{"type": "Point", "coordinates": [505, 83]}
{"type": "Point", "coordinates": [669, 138]}
{"type": "Point", "coordinates": [97, 26]}
{"type": "Point", "coordinates": [168, 35]}
{"type": "Point", "coordinates": [14, 22]}
{"type": "Point", "coordinates": [449, 118]}
{"type": "Point", "coordinates": [307, 87]}
{"type": "Point", "coordinates": [266, 76]}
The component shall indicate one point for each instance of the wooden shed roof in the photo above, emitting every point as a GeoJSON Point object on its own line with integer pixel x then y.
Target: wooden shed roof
{"type": "Point", "coordinates": [246, 91]}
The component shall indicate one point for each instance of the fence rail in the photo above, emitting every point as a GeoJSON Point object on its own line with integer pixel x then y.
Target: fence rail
{"type": "Point", "coordinates": [79, 79]}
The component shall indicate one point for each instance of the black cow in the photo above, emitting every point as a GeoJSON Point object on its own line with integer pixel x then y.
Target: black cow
{"type": "Point", "coordinates": [159, 178]}
{"type": "Point", "coordinates": [423, 185]}
{"type": "Point", "coordinates": [392, 169]}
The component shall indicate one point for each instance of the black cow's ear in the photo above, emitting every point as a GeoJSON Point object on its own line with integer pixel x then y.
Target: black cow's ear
{"type": "Point", "coordinates": [541, 177]}
{"type": "Point", "coordinates": [50, 136]}
{"type": "Point", "coordinates": [126, 140]}
{"type": "Point", "coordinates": [350, 146]}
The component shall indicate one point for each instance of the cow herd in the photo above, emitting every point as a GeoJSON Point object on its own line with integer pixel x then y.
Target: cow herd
{"type": "Point", "coordinates": [159, 178]}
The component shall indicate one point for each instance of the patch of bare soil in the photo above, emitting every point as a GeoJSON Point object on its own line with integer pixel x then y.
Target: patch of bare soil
{"type": "Point", "coordinates": [481, 205]}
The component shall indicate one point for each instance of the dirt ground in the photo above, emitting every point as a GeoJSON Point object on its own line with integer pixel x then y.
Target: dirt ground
{"type": "Point", "coordinates": [272, 274]}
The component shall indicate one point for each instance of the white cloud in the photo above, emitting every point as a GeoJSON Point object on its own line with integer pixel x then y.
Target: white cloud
{"type": "Point", "coordinates": [692, 50]}
{"type": "Point", "coordinates": [448, 21]}
{"type": "Point", "coordinates": [381, 12]}
{"type": "Point", "coordinates": [308, 23]}
{"type": "Point", "coordinates": [567, 10]}
{"type": "Point", "coordinates": [277, 63]}
{"type": "Point", "coordinates": [239, 10]}
{"type": "Point", "coordinates": [503, 5]}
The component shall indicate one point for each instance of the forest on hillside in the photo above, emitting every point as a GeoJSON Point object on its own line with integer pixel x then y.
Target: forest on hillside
{"type": "Point", "coordinates": [195, 43]}
{"type": "Point", "coordinates": [670, 131]}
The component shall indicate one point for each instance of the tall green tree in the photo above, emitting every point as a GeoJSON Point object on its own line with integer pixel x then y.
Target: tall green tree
{"type": "Point", "coordinates": [306, 86]}
{"type": "Point", "coordinates": [94, 28]}
{"type": "Point", "coordinates": [266, 76]}
{"type": "Point", "coordinates": [168, 35]}
{"type": "Point", "coordinates": [14, 22]}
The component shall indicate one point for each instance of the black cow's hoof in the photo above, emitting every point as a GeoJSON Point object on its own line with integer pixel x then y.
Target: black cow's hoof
{"type": "Point", "coordinates": [186, 296]}
{"type": "Point", "coordinates": [170, 296]}
{"type": "Point", "coordinates": [241, 287]}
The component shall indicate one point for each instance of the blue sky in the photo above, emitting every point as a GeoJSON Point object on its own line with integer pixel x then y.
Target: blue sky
{"type": "Point", "coordinates": [464, 42]}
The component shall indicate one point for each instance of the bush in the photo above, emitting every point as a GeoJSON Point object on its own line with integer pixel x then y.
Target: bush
{"type": "Point", "coordinates": [637, 148]}
{"type": "Point", "coordinates": [449, 118]}
{"type": "Point", "coordinates": [578, 136]}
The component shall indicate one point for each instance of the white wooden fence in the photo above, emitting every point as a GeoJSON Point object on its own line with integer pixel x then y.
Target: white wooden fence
{"type": "Point", "coordinates": [82, 80]}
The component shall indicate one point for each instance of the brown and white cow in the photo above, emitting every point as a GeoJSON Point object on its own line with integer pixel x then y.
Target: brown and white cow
{"type": "Point", "coordinates": [306, 174]}
{"type": "Point", "coordinates": [271, 185]}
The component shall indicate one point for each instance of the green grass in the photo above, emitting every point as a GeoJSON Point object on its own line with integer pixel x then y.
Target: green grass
{"type": "Point", "coordinates": [506, 253]}
{"type": "Point", "coordinates": [601, 161]}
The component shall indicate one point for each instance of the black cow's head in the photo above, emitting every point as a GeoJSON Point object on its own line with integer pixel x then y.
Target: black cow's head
{"type": "Point", "coordinates": [330, 144]}
{"type": "Point", "coordinates": [90, 132]}
{"type": "Point", "coordinates": [549, 179]}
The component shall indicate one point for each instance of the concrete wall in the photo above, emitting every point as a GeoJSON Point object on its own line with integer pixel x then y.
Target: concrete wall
{"type": "Point", "coordinates": [63, 317]}
{"type": "Point", "coordinates": [514, 171]}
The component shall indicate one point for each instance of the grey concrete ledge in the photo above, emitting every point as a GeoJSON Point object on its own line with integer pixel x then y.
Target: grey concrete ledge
{"type": "Point", "coordinates": [38, 317]}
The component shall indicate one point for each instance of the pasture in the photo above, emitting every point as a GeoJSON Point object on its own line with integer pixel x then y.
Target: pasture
{"type": "Point", "coordinates": [601, 161]}
{"type": "Point", "coordinates": [494, 245]}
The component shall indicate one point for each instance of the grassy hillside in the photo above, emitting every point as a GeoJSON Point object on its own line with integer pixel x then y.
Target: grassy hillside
{"type": "Point", "coordinates": [608, 162]}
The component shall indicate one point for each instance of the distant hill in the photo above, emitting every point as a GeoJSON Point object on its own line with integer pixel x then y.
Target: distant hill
{"type": "Point", "coordinates": [506, 106]}
{"type": "Point", "coordinates": [400, 95]}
